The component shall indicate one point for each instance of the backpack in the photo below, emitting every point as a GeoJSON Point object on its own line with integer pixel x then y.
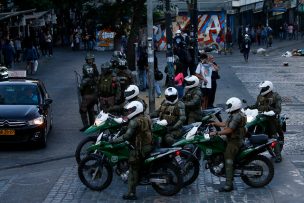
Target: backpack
{"type": "Point", "coordinates": [106, 85]}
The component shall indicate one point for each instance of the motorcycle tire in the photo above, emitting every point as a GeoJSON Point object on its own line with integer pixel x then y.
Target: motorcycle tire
{"type": "Point", "coordinates": [81, 152]}
{"type": "Point", "coordinates": [168, 170]}
{"type": "Point", "coordinates": [190, 163]}
{"type": "Point", "coordinates": [267, 163]}
{"type": "Point", "coordinates": [90, 170]}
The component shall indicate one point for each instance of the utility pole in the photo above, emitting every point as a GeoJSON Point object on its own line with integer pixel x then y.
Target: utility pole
{"type": "Point", "coordinates": [194, 25]}
{"type": "Point", "coordinates": [150, 56]}
{"type": "Point", "coordinates": [169, 53]}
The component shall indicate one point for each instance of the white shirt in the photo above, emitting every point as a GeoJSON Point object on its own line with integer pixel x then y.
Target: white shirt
{"type": "Point", "coordinates": [206, 71]}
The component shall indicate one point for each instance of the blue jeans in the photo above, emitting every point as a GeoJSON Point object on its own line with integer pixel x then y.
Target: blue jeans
{"type": "Point", "coordinates": [142, 79]}
{"type": "Point", "coordinates": [157, 88]}
{"type": "Point", "coordinates": [180, 91]}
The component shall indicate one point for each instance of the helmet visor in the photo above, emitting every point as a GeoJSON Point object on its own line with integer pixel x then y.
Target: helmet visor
{"type": "Point", "coordinates": [189, 83]}
{"type": "Point", "coordinates": [171, 98]}
{"type": "Point", "coordinates": [264, 89]}
{"type": "Point", "coordinates": [228, 106]}
{"type": "Point", "coordinates": [129, 93]}
{"type": "Point", "coordinates": [129, 111]}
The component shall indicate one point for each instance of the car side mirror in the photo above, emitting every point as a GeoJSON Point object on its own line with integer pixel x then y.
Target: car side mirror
{"type": "Point", "coordinates": [48, 101]}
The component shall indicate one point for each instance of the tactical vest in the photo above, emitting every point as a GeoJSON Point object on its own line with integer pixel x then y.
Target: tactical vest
{"type": "Point", "coordinates": [107, 86]}
{"type": "Point", "coordinates": [88, 87]}
{"type": "Point", "coordinates": [189, 97]}
{"type": "Point", "coordinates": [143, 139]}
{"type": "Point", "coordinates": [169, 113]}
{"type": "Point", "coordinates": [125, 78]}
{"type": "Point", "coordinates": [267, 101]}
{"type": "Point", "coordinates": [240, 132]}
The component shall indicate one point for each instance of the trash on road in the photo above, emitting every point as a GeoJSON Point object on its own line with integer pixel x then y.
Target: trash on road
{"type": "Point", "coordinates": [287, 54]}
{"type": "Point", "coordinates": [261, 51]}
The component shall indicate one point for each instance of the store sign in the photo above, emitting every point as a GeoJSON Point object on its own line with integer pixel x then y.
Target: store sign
{"type": "Point", "coordinates": [105, 40]}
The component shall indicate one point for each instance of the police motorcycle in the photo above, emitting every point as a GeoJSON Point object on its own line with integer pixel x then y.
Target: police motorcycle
{"type": "Point", "coordinates": [255, 170]}
{"type": "Point", "coordinates": [108, 127]}
{"type": "Point", "coordinates": [257, 124]}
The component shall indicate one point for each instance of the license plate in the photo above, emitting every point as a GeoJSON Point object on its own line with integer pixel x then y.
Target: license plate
{"type": "Point", "coordinates": [7, 132]}
{"type": "Point", "coordinates": [178, 159]}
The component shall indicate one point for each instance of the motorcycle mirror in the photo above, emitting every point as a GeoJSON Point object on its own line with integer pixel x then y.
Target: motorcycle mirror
{"type": "Point", "coordinates": [244, 101]}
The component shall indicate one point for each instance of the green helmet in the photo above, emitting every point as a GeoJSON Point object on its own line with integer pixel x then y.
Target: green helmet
{"type": "Point", "coordinates": [89, 56]}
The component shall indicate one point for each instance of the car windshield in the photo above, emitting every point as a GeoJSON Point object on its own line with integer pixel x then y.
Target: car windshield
{"type": "Point", "coordinates": [19, 94]}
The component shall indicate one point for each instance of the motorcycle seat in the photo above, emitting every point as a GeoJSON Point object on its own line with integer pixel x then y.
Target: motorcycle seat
{"type": "Point", "coordinates": [258, 139]}
{"type": "Point", "coordinates": [159, 151]}
{"type": "Point", "coordinates": [210, 111]}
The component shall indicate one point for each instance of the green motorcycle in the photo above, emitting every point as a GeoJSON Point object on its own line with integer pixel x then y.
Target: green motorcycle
{"type": "Point", "coordinates": [257, 124]}
{"type": "Point", "coordinates": [108, 126]}
{"type": "Point", "coordinates": [160, 168]}
{"type": "Point", "coordinates": [254, 169]}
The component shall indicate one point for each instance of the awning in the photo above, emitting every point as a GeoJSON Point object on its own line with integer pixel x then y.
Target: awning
{"type": "Point", "coordinates": [258, 7]}
{"type": "Point", "coordinates": [35, 15]}
{"type": "Point", "coordinates": [4, 16]}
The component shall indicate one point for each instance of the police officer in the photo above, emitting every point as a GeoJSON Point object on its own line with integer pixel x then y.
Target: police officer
{"type": "Point", "coordinates": [234, 129]}
{"type": "Point", "coordinates": [88, 91]}
{"type": "Point", "coordinates": [268, 101]}
{"type": "Point", "coordinates": [140, 136]}
{"type": "Point", "coordinates": [173, 111]}
{"type": "Point", "coordinates": [89, 69]}
{"type": "Point", "coordinates": [131, 94]}
{"type": "Point", "coordinates": [108, 87]}
{"type": "Point", "coordinates": [124, 75]}
{"type": "Point", "coordinates": [192, 99]}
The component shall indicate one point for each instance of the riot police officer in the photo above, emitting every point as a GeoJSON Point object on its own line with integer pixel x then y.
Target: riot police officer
{"type": "Point", "coordinates": [267, 101]}
{"type": "Point", "coordinates": [88, 93]}
{"type": "Point", "coordinates": [173, 111]}
{"type": "Point", "coordinates": [139, 134]}
{"type": "Point", "coordinates": [192, 99]}
{"type": "Point", "coordinates": [108, 87]}
{"type": "Point", "coordinates": [234, 129]}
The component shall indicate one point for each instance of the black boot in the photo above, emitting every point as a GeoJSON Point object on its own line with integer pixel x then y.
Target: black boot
{"type": "Point", "coordinates": [226, 188]}
{"type": "Point", "coordinates": [129, 196]}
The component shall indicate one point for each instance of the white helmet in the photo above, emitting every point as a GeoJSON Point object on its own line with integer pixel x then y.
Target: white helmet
{"type": "Point", "coordinates": [233, 104]}
{"type": "Point", "coordinates": [131, 92]}
{"type": "Point", "coordinates": [171, 95]}
{"type": "Point", "coordinates": [133, 108]}
{"type": "Point", "coordinates": [266, 87]}
{"type": "Point", "coordinates": [178, 32]}
{"type": "Point", "coordinates": [191, 81]}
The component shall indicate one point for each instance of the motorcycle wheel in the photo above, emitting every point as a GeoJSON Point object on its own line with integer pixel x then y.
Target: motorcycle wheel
{"type": "Point", "coordinates": [81, 150]}
{"type": "Point", "coordinates": [190, 167]}
{"type": "Point", "coordinates": [91, 172]}
{"type": "Point", "coordinates": [174, 177]}
{"type": "Point", "coordinates": [262, 163]}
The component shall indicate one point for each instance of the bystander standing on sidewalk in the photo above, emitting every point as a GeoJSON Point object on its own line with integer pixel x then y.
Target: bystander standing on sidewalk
{"type": "Point", "coordinates": [158, 76]}
{"type": "Point", "coordinates": [49, 43]}
{"type": "Point", "coordinates": [8, 53]}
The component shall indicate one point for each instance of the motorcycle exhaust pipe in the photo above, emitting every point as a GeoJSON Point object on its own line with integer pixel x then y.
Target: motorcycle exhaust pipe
{"type": "Point", "coordinates": [158, 180]}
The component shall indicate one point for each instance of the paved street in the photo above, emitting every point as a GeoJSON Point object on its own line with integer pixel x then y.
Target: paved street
{"type": "Point", "coordinates": [50, 175]}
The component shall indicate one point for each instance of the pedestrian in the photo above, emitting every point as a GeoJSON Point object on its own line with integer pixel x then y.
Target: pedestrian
{"type": "Point", "coordinates": [228, 41]}
{"type": "Point", "coordinates": [269, 36]}
{"type": "Point", "coordinates": [178, 76]}
{"type": "Point", "coordinates": [258, 34]}
{"type": "Point", "coordinates": [8, 52]}
{"type": "Point", "coordinates": [290, 31]}
{"type": "Point", "coordinates": [18, 49]}
{"type": "Point", "coordinates": [142, 64]}
{"type": "Point", "coordinates": [204, 72]}
{"type": "Point", "coordinates": [246, 47]}
{"type": "Point", "coordinates": [214, 77]}
{"type": "Point", "coordinates": [31, 56]}
{"type": "Point", "coordinates": [42, 42]}
{"type": "Point", "coordinates": [234, 129]}
{"type": "Point", "coordinates": [158, 76]}
{"type": "Point", "coordinates": [49, 43]}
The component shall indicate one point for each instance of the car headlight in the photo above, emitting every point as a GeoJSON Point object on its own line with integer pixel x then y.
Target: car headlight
{"type": "Point", "coordinates": [36, 121]}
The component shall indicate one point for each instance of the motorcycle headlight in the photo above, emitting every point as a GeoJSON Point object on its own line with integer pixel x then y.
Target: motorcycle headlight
{"type": "Point", "coordinates": [36, 121]}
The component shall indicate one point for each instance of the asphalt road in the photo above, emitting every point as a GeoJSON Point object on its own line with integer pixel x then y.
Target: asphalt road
{"type": "Point", "coordinates": [48, 175]}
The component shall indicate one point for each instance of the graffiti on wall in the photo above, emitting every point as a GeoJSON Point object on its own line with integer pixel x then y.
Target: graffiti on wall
{"type": "Point", "coordinates": [209, 25]}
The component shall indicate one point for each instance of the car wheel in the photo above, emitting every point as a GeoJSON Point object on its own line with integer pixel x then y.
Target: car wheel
{"type": "Point", "coordinates": [41, 143]}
